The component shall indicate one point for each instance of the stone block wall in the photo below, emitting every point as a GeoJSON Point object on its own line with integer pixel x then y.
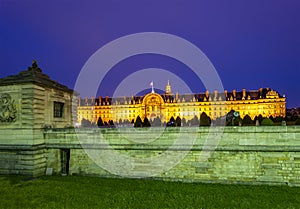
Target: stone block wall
{"type": "Point", "coordinates": [22, 159]}
{"type": "Point", "coordinates": [26, 109]}
{"type": "Point", "coordinates": [22, 144]}
{"type": "Point", "coordinates": [251, 155]}
{"type": "Point", "coordinates": [34, 106]}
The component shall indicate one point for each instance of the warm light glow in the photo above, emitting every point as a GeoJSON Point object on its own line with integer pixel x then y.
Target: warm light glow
{"type": "Point", "coordinates": [253, 103]}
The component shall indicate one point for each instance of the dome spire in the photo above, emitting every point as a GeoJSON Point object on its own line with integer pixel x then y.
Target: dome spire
{"type": "Point", "coordinates": [168, 88]}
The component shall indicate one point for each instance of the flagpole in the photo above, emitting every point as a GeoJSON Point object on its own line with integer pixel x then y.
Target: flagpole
{"type": "Point", "coordinates": [152, 87]}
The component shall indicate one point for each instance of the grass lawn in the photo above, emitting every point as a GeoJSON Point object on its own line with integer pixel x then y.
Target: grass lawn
{"type": "Point", "coordinates": [94, 192]}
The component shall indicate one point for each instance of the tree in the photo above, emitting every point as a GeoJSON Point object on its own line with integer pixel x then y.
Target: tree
{"type": "Point", "coordinates": [278, 119]}
{"type": "Point", "coordinates": [297, 123]}
{"type": "Point", "coordinates": [126, 121]}
{"type": "Point", "coordinates": [86, 123]}
{"type": "Point", "coordinates": [120, 121]}
{"type": "Point", "coordinates": [156, 122]}
{"type": "Point", "coordinates": [138, 122]}
{"type": "Point", "coordinates": [195, 121]}
{"type": "Point", "coordinates": [146, 122]}
{"type": "Point", "coordinates": [183, 121]}
{"type": "Point", "coordinates": [100, 122]}
{"type": "Point", "coordinates": [111, 122]}
{"type": "Point", "coordinates": [220, 121]}
{"type": "Point", "coordinates": [260, 118]}
{"type": "Point", "coordinates": [294, 117]}
{"type": "Point", "coordinates": [171, 122]}
{"type": "Point", "coordinates": [229, 118]}
{"type": "Point", "coordinates": [247, 120]}
{"type": "Point", "coordinates": [178, 121]}
{"type": "Point", "coordinates": [204, 119]}
{"type": "Point", "coordinates": [267, 122]}
{"type": "Point", "coordinates": [237, 121]}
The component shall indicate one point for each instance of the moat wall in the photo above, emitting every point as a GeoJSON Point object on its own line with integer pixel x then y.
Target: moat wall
{"type": "Point", "coordinates": [251, 155]}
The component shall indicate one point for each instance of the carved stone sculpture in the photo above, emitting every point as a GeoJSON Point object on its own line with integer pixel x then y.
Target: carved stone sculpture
{"type": "Point", "coordinates": [7, 108]}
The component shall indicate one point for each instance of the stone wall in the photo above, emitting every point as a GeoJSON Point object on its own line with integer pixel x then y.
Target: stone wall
{"type": "Point", "coordinates": [26, 109]}
{"type": "Point", "coordinates": [34, 106]}
{"type": "Point", "coordinates": [251, 155]}
{"type": "Point", "coordinates": [22, 159]}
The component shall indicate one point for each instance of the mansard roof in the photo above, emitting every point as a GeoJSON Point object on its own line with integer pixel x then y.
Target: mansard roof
{"type": "Point", "coordinates": [34, 75]}
{"type": "Point", "coordinates": [172, 98]}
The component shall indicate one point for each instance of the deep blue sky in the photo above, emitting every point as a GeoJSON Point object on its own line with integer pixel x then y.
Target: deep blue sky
{"type": "Point", "coordinates": [252, 44]}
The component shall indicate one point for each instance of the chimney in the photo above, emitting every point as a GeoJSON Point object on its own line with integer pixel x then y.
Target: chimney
{"type": "Point", "coordinates": [93, 100]}
{"type": "Point", "coordinates": [244, 93]}
{"type": "Point", "coordinates": [86, 101]}
{"type": "Point", "coordinates": [260, 92]}
{"type": "Point", "coordinates": [106, 100]}
{"type": "Point", "coordinates": [234, 93]}
{"type": "Point", "coordinates": [225, 92]}
{"type": "Point", "coordinates": [176, 96]}
{"type": "Point", "coordinates": [100, 100]}
{"type": "Point", "coordinates": [216, 94]}
{"type": "Point", "coordinates": [207, 93]}
{"type": "Point", "coordinates": [79, 101]}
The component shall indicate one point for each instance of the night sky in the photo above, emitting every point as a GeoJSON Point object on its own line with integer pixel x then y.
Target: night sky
{"type": "Point", "coordinates": [251, 44]}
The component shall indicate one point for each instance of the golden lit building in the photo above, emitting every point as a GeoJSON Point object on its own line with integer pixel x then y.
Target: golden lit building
{"type": "Point", "coordinates": [265, 102]}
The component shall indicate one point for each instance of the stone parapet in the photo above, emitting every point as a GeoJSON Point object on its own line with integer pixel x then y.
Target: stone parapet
{"type": "Point", "coordinates": [251, 155]}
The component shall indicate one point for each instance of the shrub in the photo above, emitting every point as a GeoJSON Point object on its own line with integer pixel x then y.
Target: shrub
{"type": "Point", "coordinates": [204, 119]}
{"type": "Point", "coordinates": [183, 121]}
{"type": "Point", "coordinates": [195, 121]}
{"type": "Point", "coordinates": [100, 122]}
{"type": "Point", "coordinates": [156, 122]}
{"type": "Point", "coordinates": [146, 122]}
{"type": "Point", "coordinates": [297, 122]}
{"type": "Point", "coordinates": [238, 121]}
{"type": "Point", "coordinates": [260, 118]}
{"type": "Point", "coordinates": [278, 119]}
{"type": "Point", "coordinates": [178, 121]}
{"type": "Point", "coordinates": [247, 120]}
{"type": "Point", "coordinates": [138, 122]}
{"type": "Point", "coordinates": [86, 123]}
{"type": "Point", "coordinates": [171, 122]}
{"type": "Point", "coordinates": [111, 122]}
{"type": "Point", "coordinates": [232, 120]}
{"type": "Point", "coordinates": [267, 122]}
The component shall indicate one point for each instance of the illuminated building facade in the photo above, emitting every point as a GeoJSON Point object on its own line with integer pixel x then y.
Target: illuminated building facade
{"type": "Point", "coordinates": [265, 102]}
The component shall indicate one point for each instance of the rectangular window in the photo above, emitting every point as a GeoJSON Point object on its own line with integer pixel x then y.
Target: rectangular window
{"type": "Point", "coordinates": [58, 109]}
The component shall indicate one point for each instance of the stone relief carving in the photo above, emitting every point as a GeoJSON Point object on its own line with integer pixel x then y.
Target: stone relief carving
{"type": "Point", "coordinates": [7, 108]}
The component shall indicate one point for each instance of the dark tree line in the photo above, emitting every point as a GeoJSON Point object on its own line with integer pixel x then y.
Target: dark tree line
{"type": "Point", "coordinates": [204, 120]}
{"type": "Point", "coordinates": [100, 123]}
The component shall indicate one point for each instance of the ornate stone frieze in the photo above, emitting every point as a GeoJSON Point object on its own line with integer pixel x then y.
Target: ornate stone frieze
{"type": "Point", "coordinates": [7, 109]}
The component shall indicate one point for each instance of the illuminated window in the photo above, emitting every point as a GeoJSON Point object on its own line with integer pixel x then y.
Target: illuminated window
{"type": "Point", "coordinates": [58, 109]}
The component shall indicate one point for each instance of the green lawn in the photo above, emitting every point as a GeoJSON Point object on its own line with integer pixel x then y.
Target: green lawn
{"type": "Point", "coordinates": [94, 192]}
